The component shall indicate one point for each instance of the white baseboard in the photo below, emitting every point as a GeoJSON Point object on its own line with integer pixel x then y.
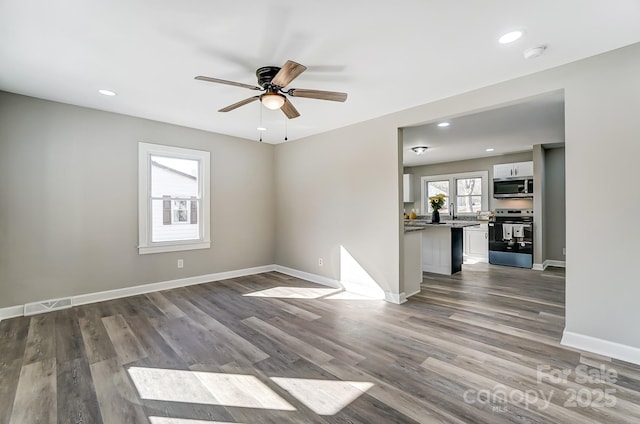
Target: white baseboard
{"type": "Point", "coordinates": [601, 347]}
{"type": "Point", "coordinates": [166, 285]}
{"type": "Point", "coordinates": [398, 299]}
{"type": "Point", "coordinates": [11, 312]}
{"type": "Point", "coordinates": [83, 299]}
{"type": "Point", "coordinates": [314, 278]}
{"type": "Point", "coordinates": [559, 264]}
{"type": "Point", "coordinates": [350, 288]}
{"type": "Point", "coordinates": [549, 262]}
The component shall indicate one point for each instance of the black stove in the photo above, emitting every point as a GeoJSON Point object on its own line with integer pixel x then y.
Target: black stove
{"type": "Point", "coordinates": [511, 238]}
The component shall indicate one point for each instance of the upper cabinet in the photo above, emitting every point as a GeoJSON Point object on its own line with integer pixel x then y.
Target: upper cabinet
{"type": "Point", "coordinates": [407, 188]}
{"type": "Point", "coordinates": [513, 170]}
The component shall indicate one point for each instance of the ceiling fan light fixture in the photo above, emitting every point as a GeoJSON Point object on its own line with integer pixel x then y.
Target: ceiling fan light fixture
{"type": "Point", "coordinates": [272, 100]}
{"type": "Point", "coordinates": [419, 149]}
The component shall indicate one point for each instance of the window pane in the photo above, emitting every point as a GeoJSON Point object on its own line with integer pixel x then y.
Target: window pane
{"type": "Point", "coordinates": [467, 186]}
{"type": "Point", "coordinates": [435, 188]}
{"type": "Point", "coordinates": [174, 177]}
{"type": "Point", "coordinates": [169, 224]}
{"type": "Point", "coordinates": [469, 204]}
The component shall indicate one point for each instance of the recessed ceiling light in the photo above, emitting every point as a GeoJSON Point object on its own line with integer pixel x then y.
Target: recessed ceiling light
{"type": "Point", "coordinates": [262, 128]}
{"type": "Point", "coordinates": [107, 92]}
{"type": "Point", "coordinates": [510, 37]}
{"type": "Point", "coordinates": [490, 149]}
{"type": "Point", "coordinates": [444, 124]}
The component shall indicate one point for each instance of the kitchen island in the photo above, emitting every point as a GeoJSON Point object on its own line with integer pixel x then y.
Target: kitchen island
{"type": "Point", "coordinates": [442, 244]}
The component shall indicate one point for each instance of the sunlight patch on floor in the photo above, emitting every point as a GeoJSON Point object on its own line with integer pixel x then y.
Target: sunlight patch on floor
{"type": "Point", "coordinates": [244, 391]}
{"type": "Point", "coordinates": [324, 397]}
{"type": "Point", "coordinates": [343, 295]}
{"type": "Point", "coordinates": [168, 420]}
{"type": "Point", "coordinates": [294, 292]}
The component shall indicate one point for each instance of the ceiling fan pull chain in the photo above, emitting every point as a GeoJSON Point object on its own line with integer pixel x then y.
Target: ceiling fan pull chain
{"type": "Point", "coordinates": [286, 128]}
{"type": "Point", "coordinates": [260, 129]}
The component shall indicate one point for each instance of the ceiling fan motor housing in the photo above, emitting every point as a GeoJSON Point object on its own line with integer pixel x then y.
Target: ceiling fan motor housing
{"type": "Point", "coordinates": [265, 75]}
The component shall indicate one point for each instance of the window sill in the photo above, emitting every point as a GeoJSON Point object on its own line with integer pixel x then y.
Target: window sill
{"type": "Point", "coordinates": [143, 250]}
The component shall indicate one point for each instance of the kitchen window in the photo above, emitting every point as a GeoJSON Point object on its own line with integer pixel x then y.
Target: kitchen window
{"type": "Point", "coordinates": [468, 192]}
{"type": "Point", "coordinates": [173, 199]}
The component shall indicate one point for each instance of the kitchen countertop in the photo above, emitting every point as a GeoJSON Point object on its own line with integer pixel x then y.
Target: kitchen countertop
{"type": "Point", "coordinates": [419, 225]}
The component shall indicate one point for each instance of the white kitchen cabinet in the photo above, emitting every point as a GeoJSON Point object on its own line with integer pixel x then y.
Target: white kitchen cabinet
{"type": "Point", "coordinates": [476, 243]}
{"type": "Point", "coordinates": [511, 170]}
{"type": "Point", "coordinates": [407, 188]}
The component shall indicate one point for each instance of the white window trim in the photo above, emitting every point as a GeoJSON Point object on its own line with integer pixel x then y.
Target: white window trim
{"type": "Point", "coordinates": [484, 175]}
{"type": "Point", "coordinates": [145, 245]}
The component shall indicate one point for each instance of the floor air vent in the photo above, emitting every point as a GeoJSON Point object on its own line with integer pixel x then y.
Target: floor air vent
{"type": "Point", "coordinates": [46, 306]}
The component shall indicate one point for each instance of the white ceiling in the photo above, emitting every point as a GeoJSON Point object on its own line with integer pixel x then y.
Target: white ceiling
{"type": "Point", "coordinates": [507, 129]}
{"type": "Point", "coordinates": [387, 55]}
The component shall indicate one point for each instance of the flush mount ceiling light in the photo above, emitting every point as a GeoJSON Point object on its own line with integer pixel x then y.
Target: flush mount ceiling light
{"type": "Point", "coordinates": [443, 124]}
{"type": "Point", "coordinates": [107, 92]}
{"type": "Point", "coordinates": [419, 149]}
{"type": "Point", "coordinates": [510, 37]}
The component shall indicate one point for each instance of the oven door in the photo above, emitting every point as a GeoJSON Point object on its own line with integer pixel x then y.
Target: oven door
{"type": "Point", "coordinates": [499, 243]}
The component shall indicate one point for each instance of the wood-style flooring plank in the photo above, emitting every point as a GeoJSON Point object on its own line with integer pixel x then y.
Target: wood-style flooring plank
{"type": "Point", "coordinates": [97, 344]}
{"type": "Point", "coordinates": [124, 341]}
{"type": "Point", "coordinates": [35, 400]}
{"type": "Point", "coordinates": [117, 398]}
{"type": "Point", "coordinates": [77, 402]}
{"type": "Point", "coordinates": [40, 344]}
{"type": "Point", "coordinates": [304, 350]}
{"type": "Point", "coordinates": [13, 340]}
{"type": "Point", "coordinates": [232, 351]}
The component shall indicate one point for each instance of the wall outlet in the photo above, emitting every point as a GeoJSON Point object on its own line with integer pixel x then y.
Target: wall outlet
{"type": "Point", "coordinates": [180, 263]}
{"type": "Point", "coordinates": [320, 262]}
{"type": "Point", "coordinates": [564, 251]}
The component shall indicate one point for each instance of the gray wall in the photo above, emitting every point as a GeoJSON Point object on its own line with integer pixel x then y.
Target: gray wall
{"type": "Point", "coordinates": [480, 164]}
{"type": "Point", "coordinates": [340, 189]}
{"type": "Point", "coordinates": [555, 209]}
{"type": "Point", "coordinates": [68, 201]}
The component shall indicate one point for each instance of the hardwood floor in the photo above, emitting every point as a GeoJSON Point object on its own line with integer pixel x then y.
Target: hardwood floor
{"type": "Point", "coordinates": [481, 346]}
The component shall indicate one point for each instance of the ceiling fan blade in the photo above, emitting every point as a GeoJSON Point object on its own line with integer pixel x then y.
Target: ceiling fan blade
{"type": "Point", "coordinates": [288, 73]}
{"type": "Point", "coordinates": [221, 81]}
{"type": "Point", "coordinates": [289, 109]}
{"type": "Point", "coordinates": [318, 94]}
{"type": "Point", "coordinates": [240, 103]}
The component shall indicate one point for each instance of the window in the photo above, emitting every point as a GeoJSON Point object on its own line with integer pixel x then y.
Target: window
{"type": "Point", "coordinates": [438, 187]}
{"type": "Point", "coordinates": [173, 199]}
{"type": "Point", "coordinates": [180, 212]}
{"type": "Point", "coordinates": [467, 191]}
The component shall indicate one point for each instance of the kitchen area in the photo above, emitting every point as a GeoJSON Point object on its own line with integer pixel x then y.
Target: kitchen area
{"type": "Point", "coordinates": [504, 198]}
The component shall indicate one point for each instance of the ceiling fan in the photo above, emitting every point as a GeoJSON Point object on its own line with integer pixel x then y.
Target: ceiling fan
{"type": "Point", "coordinates": [272, 81]}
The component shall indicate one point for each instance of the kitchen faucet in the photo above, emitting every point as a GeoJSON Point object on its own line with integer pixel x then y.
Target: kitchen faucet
{"type": "Point", "coordinates": [452, 210]}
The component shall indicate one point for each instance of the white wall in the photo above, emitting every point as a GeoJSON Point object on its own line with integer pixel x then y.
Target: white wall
{"type": "Point", "coordinates": [68, 202]}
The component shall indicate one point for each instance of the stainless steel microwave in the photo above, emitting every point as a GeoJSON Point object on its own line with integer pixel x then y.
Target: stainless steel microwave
{"type": "Point", "coordinates": [512, 187]}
